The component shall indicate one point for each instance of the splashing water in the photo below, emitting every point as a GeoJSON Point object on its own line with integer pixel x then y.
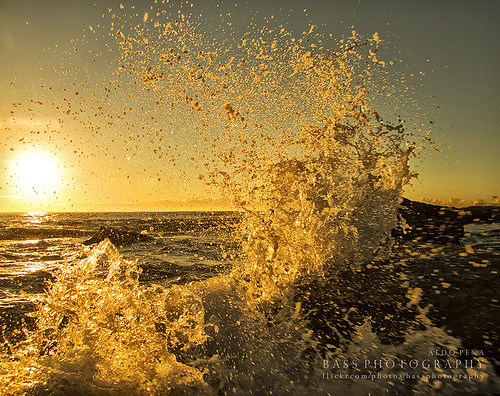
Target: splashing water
{"type": "Point", "coordinates": [299, 149]}
{"type": "Point", "coordinates": [97, 326]}
{"type": "Point", "coordinates": [288, 130]}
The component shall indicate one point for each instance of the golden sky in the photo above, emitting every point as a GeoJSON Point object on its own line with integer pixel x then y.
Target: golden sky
{"type": "Point", "coordinates": [79, 135]}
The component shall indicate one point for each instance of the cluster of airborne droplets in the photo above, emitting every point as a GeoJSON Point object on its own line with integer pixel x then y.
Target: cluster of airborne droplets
{"type": "Point", "coordinates": [283, 126]}
{"type": "Point", "coordinates": [291, 138]}
{"type": "Point", "coordinates": [160, 88]}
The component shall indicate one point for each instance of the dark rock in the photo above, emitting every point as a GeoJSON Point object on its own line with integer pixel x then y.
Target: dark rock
{"type": "Point", "coordinates": [483, 214]}
{"type": "Point", "coordinates": [429, 223]}
{"type": "Point", "coordinates": [117, 237]}
{"type": "Point", "coordinates": [13, 321]}
{"type": "Point", "coordinates": [372, 294]}
{"type": "Point", "coordinates": [462, 298]}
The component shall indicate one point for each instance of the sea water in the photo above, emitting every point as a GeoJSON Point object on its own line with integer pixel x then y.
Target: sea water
{"type": "Point", "coordinates": [186, 245]}
{"type": "Point", "coordinates": [172, 315]}
{"type": "Point", "coordinates": [302, 290]}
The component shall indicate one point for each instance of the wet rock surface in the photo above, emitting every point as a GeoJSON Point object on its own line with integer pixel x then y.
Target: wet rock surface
{"type": "Point", "coordinates": [439, 224]}
{"type": "Point", "coordinates": [456, 286]}
{"type": "Point", "coordinates": [424, 222]}
{"type": "Point", "coordinates": [460, 288]}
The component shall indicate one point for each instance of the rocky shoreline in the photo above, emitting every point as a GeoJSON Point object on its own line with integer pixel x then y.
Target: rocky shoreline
{"type": "Point", "coordinates": [457, 285]}
{"type": "Point", "coordinates": [430, 268]}
{"type": "Point", "coordinates": [439, 224]}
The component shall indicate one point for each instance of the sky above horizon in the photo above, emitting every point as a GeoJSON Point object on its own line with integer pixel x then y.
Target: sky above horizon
{"type": "Point", "coordinates": [59, 56]}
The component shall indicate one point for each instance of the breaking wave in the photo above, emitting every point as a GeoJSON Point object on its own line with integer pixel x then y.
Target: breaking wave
{"type": "Point", "coordinates": [291, 132]}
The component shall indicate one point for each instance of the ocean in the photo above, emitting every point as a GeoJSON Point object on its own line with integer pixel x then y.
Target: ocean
{"type": "Point", "coordinates": [172, 314]}
{"type": "Point", "coordinates": [185, 246]}
{"type": "Point", "coordinates": [319, 283]}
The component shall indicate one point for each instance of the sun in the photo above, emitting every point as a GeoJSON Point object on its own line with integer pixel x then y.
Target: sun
{"type": "Point", "coordinates": [36, 174]}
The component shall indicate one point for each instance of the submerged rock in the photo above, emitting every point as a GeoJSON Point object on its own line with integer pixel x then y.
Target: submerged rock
{"type": "Point", "coordinates": [117, 237]}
